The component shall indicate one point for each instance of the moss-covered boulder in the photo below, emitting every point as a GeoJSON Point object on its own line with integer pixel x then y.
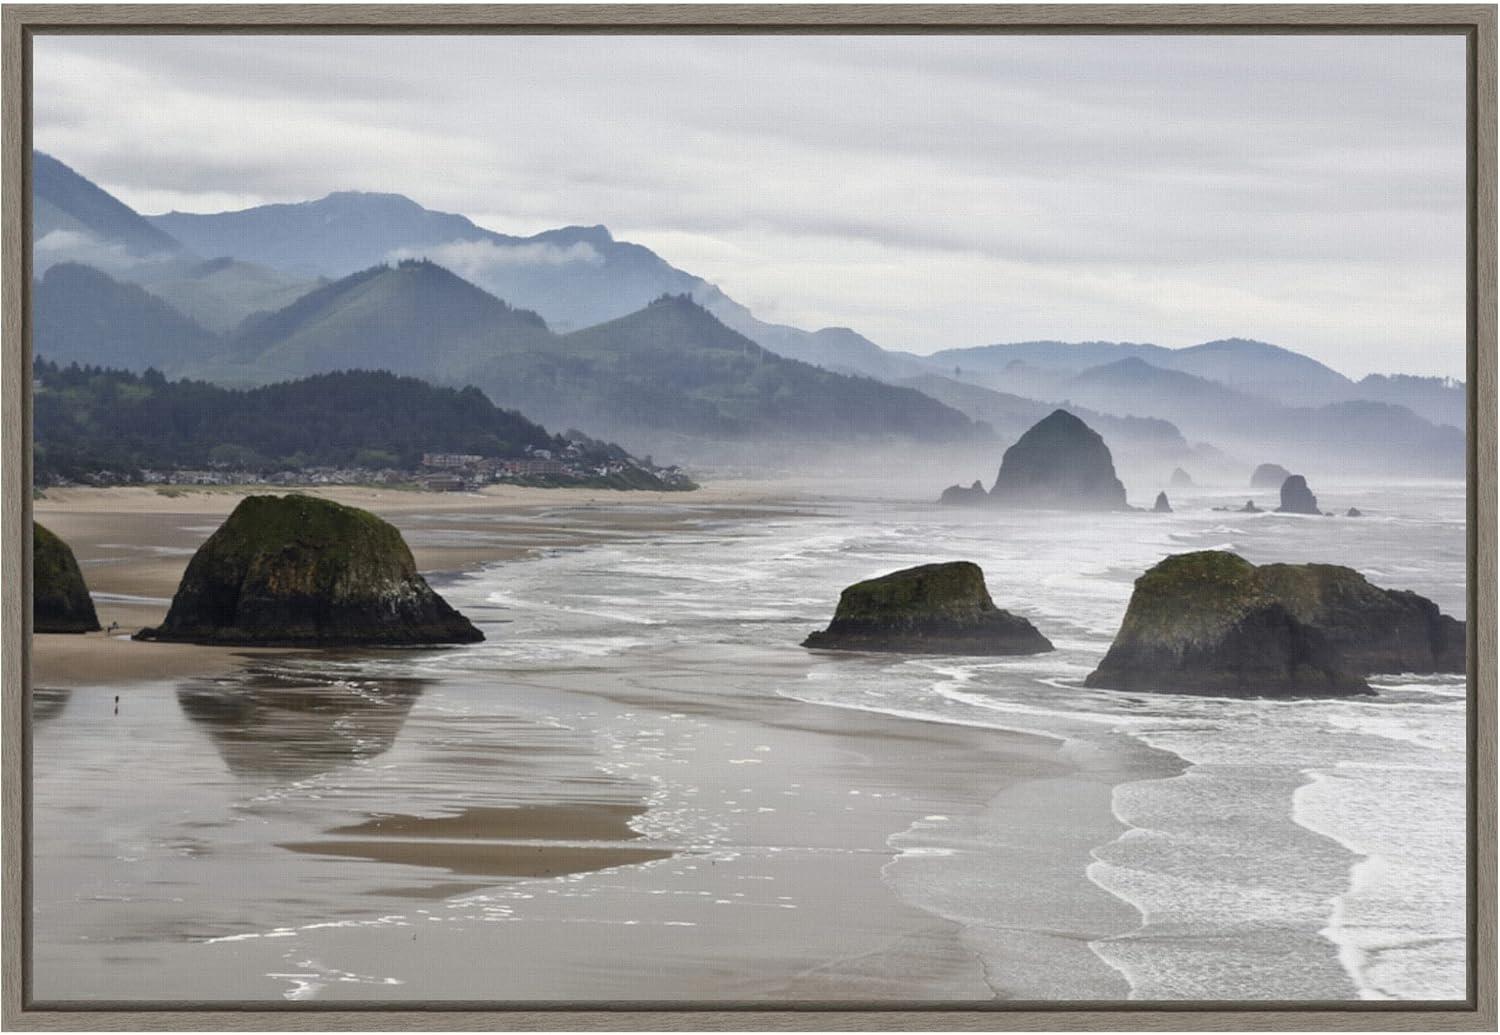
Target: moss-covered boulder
{"type": "Point", "coordinates": [1374, 630]}
{"type": "Point", "coordinates": [931, 609]}
{"type": "Point", "coordinates": [1297, 498]}
{"type": "Point", "coordinates": [60, 601]}
{"type": "Point", "coordinates": [1059, 463]}
{"type": "Point", "coordinates": [1269, 476]}
{"type": "Point", "coordinates": [300, 571]}
{"type": "Point", "coordinates": [1212, 622]}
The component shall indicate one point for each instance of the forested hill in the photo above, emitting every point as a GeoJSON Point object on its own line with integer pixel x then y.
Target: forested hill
{"type": "Point", "coordinates": [674, 367]}
{"type": "Point", "coordinates": [89, 419]}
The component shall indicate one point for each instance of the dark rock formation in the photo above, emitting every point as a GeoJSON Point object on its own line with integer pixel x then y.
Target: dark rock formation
{"type": "Point", "coordinates": [1353, 512]}
{"type": "Point", "coordinates": [1269, 476]}
{"type": "Point", "coordinates": [298, 571]}
{"type": "Point", "coordinates": [1211, 622]}
{"type": "Point", "coordinates": [958, 495]}
{"type": "Point", "coordinates": [1181, 479]}
{"type": "Point", "coordinates": [1059, 462]}
{"type": "Point", "coordinates": [60, 601]}
{"type": "Point", "coordinates": [1249, 508]}
{"type": "Point", "coordinates": [1163, 505]}
{"type": "Point", "coordinates": [1297, 498]}
{"type": "Point", "coordinates": [931, 609]}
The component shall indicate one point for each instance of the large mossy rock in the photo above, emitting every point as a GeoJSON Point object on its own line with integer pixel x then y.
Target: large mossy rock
{"type": "Point", "coordinates": [300, 571]}
{"type": "Point", "coordinates": [1059, 463]}
{"type": "Point", "coordinates": [60, 601]}
{"type": "Point", "coordinates": [1269, 476]}
{"type": "Point", "coordinates": [1297, 498]}
{"type": "Point", "coordinates": [1212, 622]}
{"type": "Point", "coordinates": [931, 609]}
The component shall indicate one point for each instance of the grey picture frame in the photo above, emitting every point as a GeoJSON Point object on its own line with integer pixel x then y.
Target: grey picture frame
{"type": "Point", "coordinates": [1477, 23]}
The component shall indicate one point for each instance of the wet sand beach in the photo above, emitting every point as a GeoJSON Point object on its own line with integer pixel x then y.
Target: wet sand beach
{"type": "Point", "coordinates": [640, 787]}
{"type": "Point", "coordinates": [415, 826]}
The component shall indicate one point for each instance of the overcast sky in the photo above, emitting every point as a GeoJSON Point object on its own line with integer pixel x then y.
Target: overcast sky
{"type": "Point", "coordinates": [927, 191]}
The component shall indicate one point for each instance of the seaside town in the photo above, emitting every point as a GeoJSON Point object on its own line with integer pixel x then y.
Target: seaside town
{"type": "Point", "coordinates": [576, 465]}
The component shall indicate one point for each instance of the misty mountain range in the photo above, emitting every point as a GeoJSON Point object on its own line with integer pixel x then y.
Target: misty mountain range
{"type": "Point", "coordinates": [574, 327]}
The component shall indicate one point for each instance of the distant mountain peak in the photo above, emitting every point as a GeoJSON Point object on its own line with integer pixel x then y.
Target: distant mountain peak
{"type": "Point", "coordinates": [597, 235]}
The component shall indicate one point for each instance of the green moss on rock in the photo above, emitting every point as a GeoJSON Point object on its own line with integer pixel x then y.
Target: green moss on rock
{"type": "Point", "coordinates": [296, 570]}
{"type": "Point", "coordinates": [60, 601]}
{"type": "Point", "coordinates": [933, 608]}
{"type": "Point", "coordinates": [1212, 622]}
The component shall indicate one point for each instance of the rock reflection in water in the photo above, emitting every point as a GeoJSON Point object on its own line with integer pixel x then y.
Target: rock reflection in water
{"type": "Point", "coordinates": [48, 702]}
{"type": "Point", "coordinates": [289, 725]}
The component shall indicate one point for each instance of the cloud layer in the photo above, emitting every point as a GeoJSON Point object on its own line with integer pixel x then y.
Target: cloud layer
{"type": "Point", "coordinates": [929, 191]}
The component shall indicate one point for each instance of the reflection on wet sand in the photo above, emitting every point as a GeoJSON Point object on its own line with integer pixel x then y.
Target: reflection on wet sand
{"type": "Point", "coordinates": [529, 841]}
{"type": "Point", "coordinates": [288, 725]}
{"type": "Point", "coordinates": [48, 702]}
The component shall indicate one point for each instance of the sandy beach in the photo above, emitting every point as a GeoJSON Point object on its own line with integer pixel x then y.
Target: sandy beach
{"type": "Point", "coordinates": [640, 787]}
{"type": "Point", "coordinates": [842, 784]}
{"type": "Point", "coordinates": [134, 542]}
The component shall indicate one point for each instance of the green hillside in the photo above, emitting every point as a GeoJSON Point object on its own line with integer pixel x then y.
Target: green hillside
{"type": "Point", "coordinates": [673, 366]}
{"type": "Point", "coordinates": [81, 315]}
{"type": "Point", "coordinates": [415, 318]}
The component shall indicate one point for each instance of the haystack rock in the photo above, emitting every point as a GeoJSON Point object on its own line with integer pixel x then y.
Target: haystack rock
{"type": "Point", "coordinates": [1163, 505]}
{"type": "Point", "coordinates": [1269, 476]}
{"type": "Point", "coordinates": [1180, 479]}
{"type": "Point", "coordinates": [297, 571]}
{"type": "Point", "coordinates": [60, 601]}
{"type": "Point", "coordinates": [1059, 463]}
{"type": "Point", "coordinates": [1297, 498]}
{"type": "Point", "coordinates": [958, 495]}
{"type": "Point", "coordinates": [1212, 622]}
{"type": "Point", "coordinates": [931, 609]}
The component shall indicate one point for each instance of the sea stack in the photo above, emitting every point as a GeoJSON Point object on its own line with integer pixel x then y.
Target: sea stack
{"type": "Point", "coordinates": [1061, 463]}
{"type": "Point", "coordinates": [1180, 479]}
{"type": "Point", "coordinates": [931, 609]}
{"type": "Point", "coordinates": [60, 601]}
{"type": "Point", "coordinates": [297, 571]}
{"type": "Point", "coordinates": [1163, 505]}
{"type": "Point", "coordinates": [958, 495]}
{"type": "Point", "coordinates": [1212, 622]}
{"type": "Point", "coordinates": [1297, 498]}
{"type": "Point", "coordinates": [1269, 476]}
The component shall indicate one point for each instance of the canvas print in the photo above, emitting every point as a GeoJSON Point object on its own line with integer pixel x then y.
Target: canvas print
{"type": "Point", "coordinates": [718, 519]}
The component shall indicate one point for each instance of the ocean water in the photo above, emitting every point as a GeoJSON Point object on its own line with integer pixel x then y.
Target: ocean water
{"type": "Point", "coordinates": [1206, 849]}
{"type": "Point", "coordinates": [1290, 850]}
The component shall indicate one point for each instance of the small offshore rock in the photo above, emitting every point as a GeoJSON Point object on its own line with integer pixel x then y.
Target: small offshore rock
{"type": "Point", "coordinates": [1163, 505]}
{"type": "Point", "coordinates": [959, 495]}
{"type": "Point", "coordinates": [1297, 498]}
{"type": "Point", "coordinates": [929, 609]}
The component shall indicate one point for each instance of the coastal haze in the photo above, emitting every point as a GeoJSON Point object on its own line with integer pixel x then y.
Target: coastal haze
{"type": "Point", "coordinates": [648, 417]}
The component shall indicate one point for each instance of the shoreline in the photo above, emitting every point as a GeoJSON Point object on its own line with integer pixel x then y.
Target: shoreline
{"type": "Point", "coordinates": [133, 543]}
{"type": "Point", "coordinates": [843, 830]}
